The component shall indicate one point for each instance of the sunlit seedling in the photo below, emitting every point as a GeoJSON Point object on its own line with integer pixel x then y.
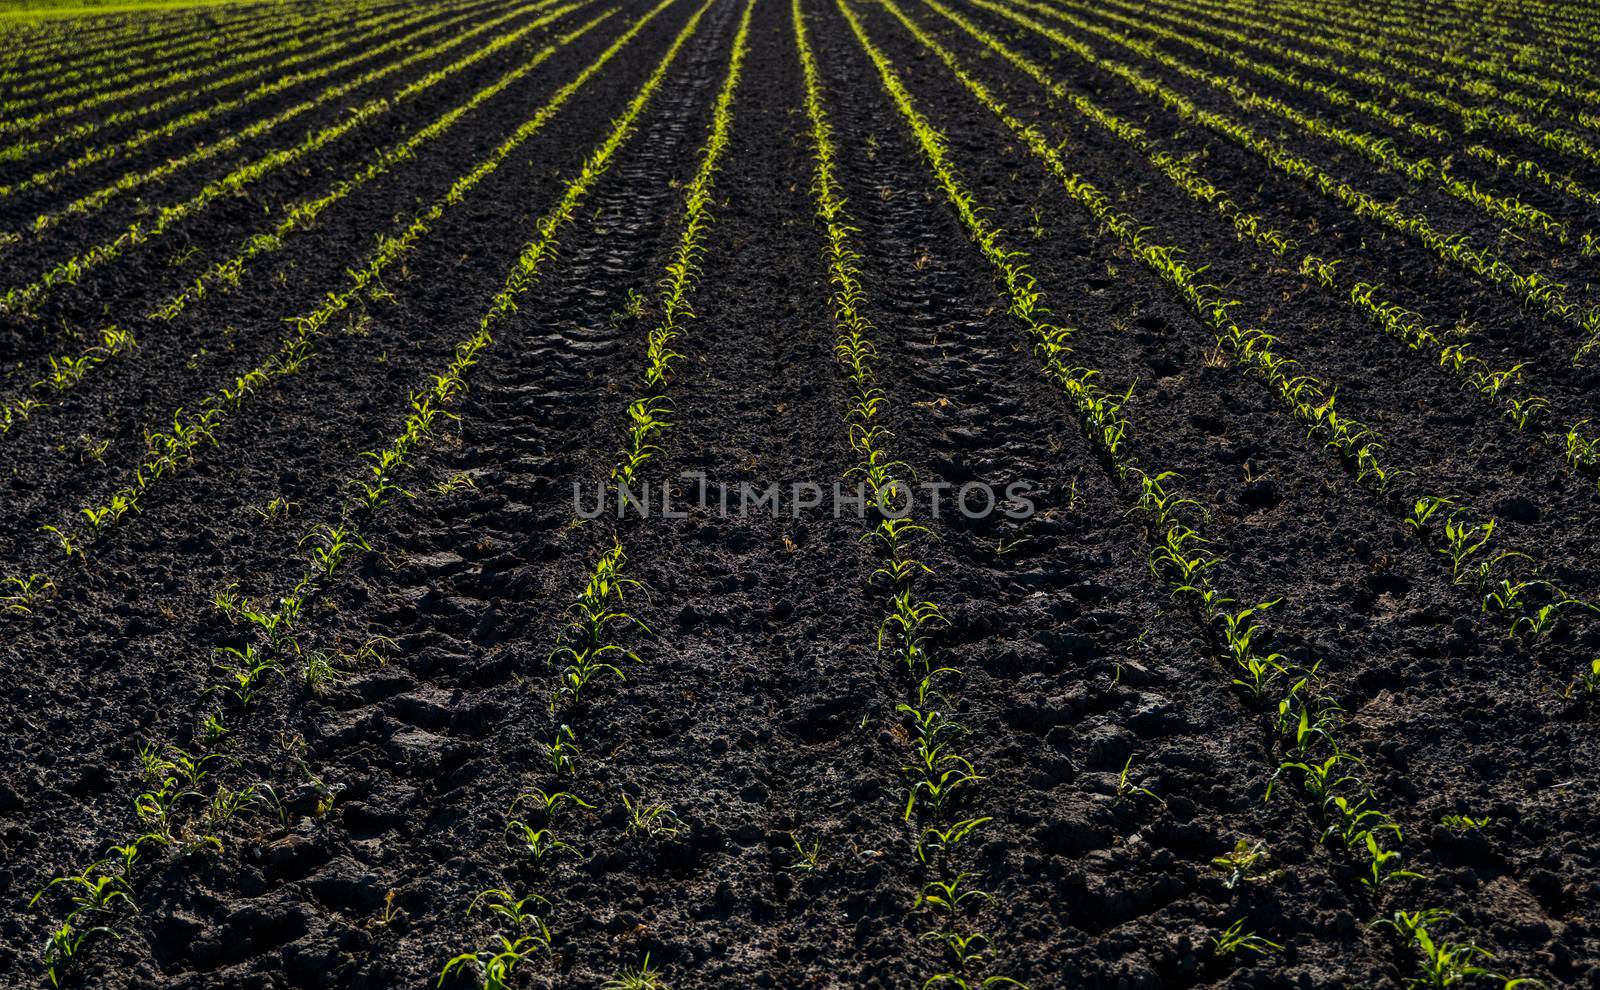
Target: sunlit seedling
{"type": "Point", "coordinates": [641, 977]}
{"type": "Point", "coordinates": [649, 819]}
{"type": "Point", "coordinates": [1234, 939]}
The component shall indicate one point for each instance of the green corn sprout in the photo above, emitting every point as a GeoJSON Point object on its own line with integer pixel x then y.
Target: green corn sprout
{"type": "Point", "coordinates": [641, 977]}
{"type": "Point", "coordinates": [1234, 938]}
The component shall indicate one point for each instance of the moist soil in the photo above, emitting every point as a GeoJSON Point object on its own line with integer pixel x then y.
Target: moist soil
{"type": "Point", "coordinates": [1119, 758]}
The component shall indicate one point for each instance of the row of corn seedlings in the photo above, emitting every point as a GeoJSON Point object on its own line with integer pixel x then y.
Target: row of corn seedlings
{"type": "Point", "coordinates": [1288, 697]}
{"type": "Point", "coordinates": [1531, 288]}
{"type": "Point", "coordinates": [71, 48]}
{"type": "Point", "coordinates": [228, 272]}
{"type": "Point", "coordinates": [120, 65]}
{"type": "Point", "coordinates": [255, 62]}
{"type": "Point", "coordinates": [204, 151]}
{"type": "Point", "coordinates": [69, 369]}
{"type": "Point", "coordinates": [590, 648]}
{"type": "Point", "coordinates": [121, 75]}
{"type": "Point", "coordinates": [1529, 605]}
{"type": "Point", "coordinates": [1460, 77]}
{"type": "Point", "coordinates": [24, 298]}
{"type": "Point", "coordinates": [138, 63]}
{"type": "Point", "coordinates": [247, 670]}
{"type": "Point", "coordinates": [167, 453]}
{"type": "Point", "coordinates": [1499, 386]}
{"type": "Point", "coordinates": [941, 805]}
{"type": "Point", "coordinates": [1380, 150]}
{"type": "Point", "coordinates": [1384, 45]}
{"type": "Point", "coordinates": [1464, 36]}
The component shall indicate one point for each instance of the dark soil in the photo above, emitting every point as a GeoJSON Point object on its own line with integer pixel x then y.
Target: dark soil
{"type": "Point", "coordinates": [763, 713]}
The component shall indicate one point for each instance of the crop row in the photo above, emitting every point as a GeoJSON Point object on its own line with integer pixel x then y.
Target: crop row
{"type": "Point", "coordinates": [321, 28]}
{"type": "Point", "coordinates": [1529, 606]}
{"type": "Point", "coordinates": [1379, 150]}
{"type": "Point", "coordinates": [940, 780]}
{"type": "Point", "coordinates": [125, 67]}
{"type": "Point", "coordinates": [68, 370]}
{"type": "Point", "coordinates": [590, 647]}
{"type": "Point", "coordinates": [181, 813]}
{"type": "Point", "coordinates": [260, 41]}
{"type": "Point", "coordinates": [1289, 698]}
{"type": "Point", "coordinates": [1468, 35]}
{"type": "Point", "coordinates": [25, 298]}
{"type": "Point", "coordinates": [28, 146]}
{"type": "Point", "coordinates": [70, 43]}
{"type": "Point", "coordinates": [166, 454]}
{"type": "Point", "coordinates": [1456, 78]}
{"type": "Point", "coordinates": [205, 151]}
{"type": "Point", "coordinates": [1533, 288]}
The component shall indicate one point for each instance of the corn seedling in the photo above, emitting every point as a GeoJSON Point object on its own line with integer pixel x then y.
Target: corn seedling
{"type": "Point", "coordinates": [958, 982]}
{"type": "Point", "coordinates": [536, 842]}
{"type": "Point", "coordinates": [938, 842]}
{"type": "Point", "coordinates": [641, 977]}
{"type": "Point", "coordinates": [562, 753]}
{"type": "Point", "coordinates": [92, 890]}
{"type": "Point", "coordinates": [1443, 964]}
{"type": "Point", "coordinates": [25, 592]}
{"type": "Point", "coordinates": [966, 948]}
{"type": "Point", "coordinates": [1318, 780]}
{"type": "Point", "coordinates": [1462, 542]}
{"type": "Point", "coordinates": [805, 859]}
{"type": "Point", "coordinates": [937, 772]}
{"type": "Point", "coordinates": [276, 510]}
{"type": "Point", "coordinates": [514, 911]}
{"type": "Point", "coordinates": [458, 482]}
{"type": "Point", "coordinates": [320, 673]}
{"type": "Point", "coordinates": [1424, 509]}
{"type": "Point", "coordinates": [1587, 682]}
{"type": "Point", "coordinates": [246, 674]}
{"type": "Point", "coordinates": [1234, 939]}
{"type": "Point", "coordinates": [1384, 864]}
{"type": "Point", "coordinates": [493, 966]}
{"type": "Point", "coordinates": [330, 545]}
{"type": "Point", "coordinates": [1127, 788]}
{"type": "Point", "coordinates": [65, 948]}
{"type": "Point", "coordinates": [649, 819]}
{"type": "Point", "coordinates": [546, 803]}
{"type": "Point", "coordinates": [948, 899]}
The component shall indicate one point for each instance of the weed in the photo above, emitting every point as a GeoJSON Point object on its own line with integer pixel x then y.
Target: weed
{"type": "Point", "coordinates": [1246, 862]}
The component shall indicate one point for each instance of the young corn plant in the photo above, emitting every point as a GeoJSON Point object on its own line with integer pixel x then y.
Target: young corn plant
{"type": "Point", "coordinates": [650, 819]}
{"type": "Point", "coordinates": [1234, 939]}
{"type": "Point", "coordinates": [330, 545]}
{"type": "Point", "coordinates": [1257, 673]}
{"type": "Point", "coordinates": [587, 644]}
{"type": "Point", "coordinates": [641, 977]}
{"type": "Point", "coordinates": [26, 592]}
{"type": "Point", "coordinates": [516, 913]}
{"type": "Point", "coordinates": [66, 947]}
{"type": "Point", "coordinates": [938, 776]}
{"type": "Point", "coordinates": [492, 967]}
